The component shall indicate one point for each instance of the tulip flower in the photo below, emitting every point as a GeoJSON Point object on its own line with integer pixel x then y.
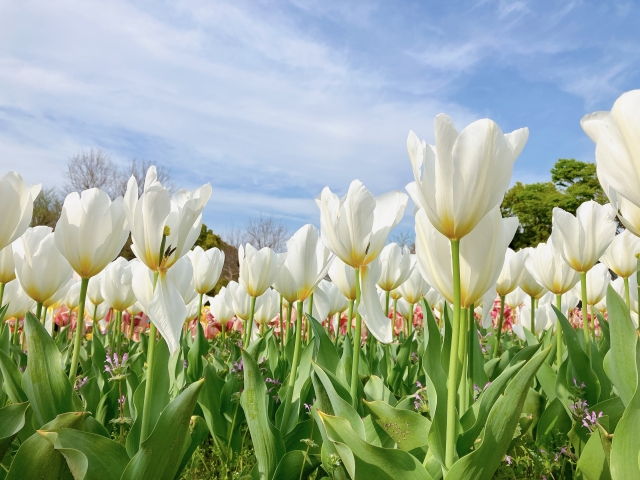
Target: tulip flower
{"type": "Point", "coordinates": [549, 269]}
{"type": "Point", "coordinates": [510, 277]}
{"type": "Point", "coordinates": [194, 308]}
{"type": "Point", "coordinates": [221, 307]}
{"type": "Point", "coordinates": [117, 282]}
{"type": "Point", "coordinates": [355, 228]}
{"type": "Point", "coordinates": [40, 268]}
{"type": "Point", "coordinates": [598, 279]}
{"type": "Point", "coordinates": [17, 204]}
{"type": "Point", "coordinates": [465, 175]}
{"type": "Point", "coordinates": [487, 303]}
{"type": "Point", "coordinates": [581, 240]}
{"type": "Point", "coordinates": [94, 290]}
{"type": "Point", "coordinates": [396, 268]}
{"type": "Point", "coordinates": [163, 229]}
{"type": "Point", "coordinates": [616, 134]}
{"type": "Point", "coordinates": [7, 269]}
{"type": "Point", "coordinates": [414, 288]}
{"type": "Point", "coordinates": [620, 257]}
{"type": "Point", "coordinates": [241, 301]}
{"type": "Point", "coordinates": [19, 303]}
{"type": "Point", "coordinates": [343, 276]}
{"type": "Point", "coordinates": [515, 298]}
{"type": "Point", "coordinates": [434, 299]}
{"type": "Point", "coordinates": [543, 320]}
{"type": "Point", "coordinates": [207, 267]}
{"type": "Point", "coordinates": [338, 303]}
{"type": "Point", "coordinates": [266, 308]}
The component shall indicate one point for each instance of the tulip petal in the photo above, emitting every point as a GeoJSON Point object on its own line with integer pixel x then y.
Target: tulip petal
{"type": "Point", "coordinates": [167, 311]}
{"type": "Point", "coordinates": [370, 309]}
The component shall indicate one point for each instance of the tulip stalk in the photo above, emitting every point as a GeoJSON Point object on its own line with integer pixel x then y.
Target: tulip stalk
{"type": "Point", "coordinates": [39, 310]}
{"type": "Point", "coordinates": [288, 327]}
{"type": "Point", "coordinates": [79, 327]}
{"type": "Point", "coordinates": [308, 317]}
{"type": "Point", "coordinates": [118, 331]}
{"type": "Point", "coordinates": [247, 333]}
{"type": "Point", "coordinates": [585, 317]}
{"type": "Point", "coordinates": [559, 332]}
{"type": "Point", "coordinates": [627, 296]}
{"type": "Point", "coordinates": [281, 323]}
{"type": "Point", "coordinates": [350, 319]}
{"type": "Point", "coordinates": [452, 380]}
{"type": "Point", "coordinates": [356, 346]}
{"type": "Point", "coordinates": [294, 364]}
{"type": "Point", "coordinates": [533, 315]}
{"type": "Point", "coordinates": [499, 332]}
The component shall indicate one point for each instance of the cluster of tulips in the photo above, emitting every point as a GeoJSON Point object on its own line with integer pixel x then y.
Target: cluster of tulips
{"type": "Point", "coordinates": [345, 355]}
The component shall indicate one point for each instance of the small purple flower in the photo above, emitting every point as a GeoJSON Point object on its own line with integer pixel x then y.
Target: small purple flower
{"type": "Point", "coordinates": [507, 459]}
{"type": "Point", "coordinates": [184, 364]}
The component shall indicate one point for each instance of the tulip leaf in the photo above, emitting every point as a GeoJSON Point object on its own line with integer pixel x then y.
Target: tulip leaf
{"type": "Point", "coordinates": [593, 462]}
{"type": "Point", "coordinates": [199, 348]}
{"type": "Point", "coordinates": [267, 440]}
{"type": "Point", "coordinates": [44, 381]}
{"type": "Point", "coordinates": [88, 456]}
{"type": "Point", "coordinates": [302, 431]}
{"type": "Point", "coordinates": [500, 426]}
{"type": "Point", "coordinates": [160, 454]}
{"type": "Point", "coordinates": [12, 420]}
{"type": "Point", "coordinates": [363, 460]}
{"type": "Point", "coordinates": [409, 430]}
{"type": "Point", "coordinates": [622, 355]}
{"type": "Point", "coordinates": [210, 403]}
{"type": "Point", "coordinates": [198, 431]}
{"type": "Point", "coordinates": [375, 389]}
{"type": "Point", "coordinates": [326, 354]}
{"type": "Point", "coordinates": [296, 464]}
{"type": "Point", "coordinates": [36, 457]}
{"type": "Point", "coordinates": [339, 405]}
{"type": "Point", "coordinates": [485, 403]}
{"type": "Point", "coordinates": [12, 379]}
{"type": "Point", "coordinates": [580, 364]}
{"type": "Point", "coordinates": [554, 424]}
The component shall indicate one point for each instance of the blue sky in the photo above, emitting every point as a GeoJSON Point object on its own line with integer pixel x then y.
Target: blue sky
{"type": "Point", "coordinates": [272, 101]}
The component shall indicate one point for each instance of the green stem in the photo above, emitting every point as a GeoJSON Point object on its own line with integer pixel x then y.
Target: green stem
{"type": "Point", "coordinates": [247, 335]}
{"type": "Point", "coordinates": [200, 308]}
{"type": "Point", "coordinates": [386, 303]}
{"type": "Point", "coordinates": [350, 319]}
{"type": "Point", "coordinates": [356, 346]}
{"type": "Point", "coordinates": [499, 332]}
{"type": "Point", "coordinates": [2, 324]}
{"type": "Point", "coordinates": [585, 317]}
{"type": "Point", "coordinates": [558, 332]}
{"type": "Point", "coordinates": [288, 333]}
{"type": "Point", "coordinates": [627, 296]}
{"type": "Point", "coordinates": [148, 390]}
{"type": "Point", "coordinates": [118, 331]}
{"type": "Point", "coordinates": [38, 310]}
{"type": "Point", "coordinates": [308, 318]}
{"type": "Point", "coordinates": [410, 319]}
{"type": "Point", "coordinates": [452, 380]}
{"type": "Point", "coordinates": [281, 324]}
{"type": "Point", "coordinates": [294, 364]}
{"type": "Point", "coordinates": [79, 327]}
{"type": "Point", "coordinates": [132, 324]}
{"type": "Point", "coordinates": [533, 315]}
{"type": "Point", "coordinates": [395, 313]}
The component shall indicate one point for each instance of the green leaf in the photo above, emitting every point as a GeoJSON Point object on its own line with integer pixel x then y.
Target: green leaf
{"type": "Point", "coordinates": [375, 389]}
{"type": "Point", "coordinates": [295, 465]}
{"type": "Point", "coordinates": [501, 424]}
{"type": "Point", "coordinates": [408, 429]}
{"type": "Point", "coordinates": [199, 348]}
{"type": "Point", "coordinates": [88, 456]}
{"type": "Point", "coordinates": [12, 379]}
{"type": "Point", "coordinates": [303, 430]}
{"type": "Point", "coordinates": [554, 424]}
{"type": "Point", "coordinates": [580, 362]}
{"type": "Point", "coordinates": [36, 457]}
{"type": "Point", "coordinates": [209, 401]}
{"type": "Point", "coordinates": [12, 420]}
{"type": "Point", "coordinates": [160, 454]}
{"type": "Point", "coordinates": [339, 405]}
{"type": "Point", "coordinates": [485, 403]}
{"type": "Point", "coordinates": [363, 460]}
{"type": "Point", "coordinates": [547, 379]}
{"type": "Point", "coordinates": [624, 371]}
{"type": "Point", "coordinates": [326, 354]}
{"type": "Point", "coordinates": [593, 461]}
{"type": "Point", "coordinates": [267, 441]}
{"type": "Point", "coordinates": [44, 381]}
{"type": "Point", "coordinates": [198, 432]}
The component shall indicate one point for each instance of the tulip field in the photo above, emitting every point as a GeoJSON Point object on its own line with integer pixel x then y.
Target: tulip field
{"type": "Point", "coordinates": [343, 357]}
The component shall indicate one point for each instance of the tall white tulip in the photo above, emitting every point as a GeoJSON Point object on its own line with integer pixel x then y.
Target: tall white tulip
{"type": "Point", "coordinates": [620, 257]}
{"type": "Point", "coordinates": [338, 303]}
{"type": "Point", "coordinates": [582, 239]}
{"type": "Point", "coordinates": [515, 298]}
{"type": "Point", "coordinates": [598, 279]}
{"type": "Point", "coordinates": [549, 269]}
{"type": "Point", "coordinates": [40, 267]}
{"type": "Point", "coordinates": [18, 304]}
{"type": "Point", "coordinates": [16, 199]}
{"type": "Point", "coordinates": [94, 290]}
{"type": "Point", "coordinates": [415, 287]}
{"type": "Point", "coordinates": [396, 268]}
{"type": "Point", "coordinates": [116, 286]}
{"type": "Point", "coordinates": [512, 272]}
{"type": "Point", "coordinates": [221, 307]}
{"type": "Point", "coordinates": [482, 253]}
{"type": "Point", "coordinates": [464, 175]}
{"type": "Point", "coordinates": [241, 300]}
{"type": "Point", "coordinates": [7, 269]}
{"type": "Point", "coordinates": [207, 267]}
{"type": "Point", "coordinates": [529, 284]}
{"type": "Point", "coordinates": [617, 138]}
{"type": "Point", "coordinates": [182, 277]}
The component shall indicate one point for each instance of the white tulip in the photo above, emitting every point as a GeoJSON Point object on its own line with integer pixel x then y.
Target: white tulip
{"type": "Point", "coordinates": [598, 279]}
{"type": "Point", "coordinates": [19, 303]}
{"type": "Point", "coordinates": [117, 281]}
{"type": "Point", "coordinates": [91, 231]}
{"type": "Point", "coordinates": [355, 228]}
{"type": "Point", "coordinates": [181, 276]}
{"type": "Point", "coordinates": [512, 272]}
{"type": "Point", "coordinates": [515, 298]}
{"type": "Point", "coordinates": [465, 175]}
{"type": "Point", "coordinates": [343, 276]}
{"type": "Point", "coordinates": [94, 290]}
{"type": "Point", "coordinates": [258, 269]}
{"type": "Point", "coordinates": [7, 265]}
{"type": "Point", "coordinates": [415, 287]}
{"type": "Point", "coordinates": [620, 256]}
{"type": "Point", "coordinates": [17, 207]}
{"type": "Point", "coordinates": [207, 266]}
{"type": "Point", "coordinates": [40, 267]}
{"type": "Point", "coordinates": [396, 266]}
{"type": "Point", "coordinates": [549, 269]}
{"type": "Point", "coordinates": [222, 306]}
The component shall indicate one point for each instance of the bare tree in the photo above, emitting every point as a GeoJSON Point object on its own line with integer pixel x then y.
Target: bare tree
{"type": "Point", "coordinates": [405, 239]}
{"type": "Point", "coordinates": [266, 232]}
{"type": "Point", "coordinates": [234, 236]}
{"type": "Point", "coordinates": [47, 208]}
{"type": "Point", "coordinates": [91, 169]}
{"type": "Point", "coordinates": [138, 168]}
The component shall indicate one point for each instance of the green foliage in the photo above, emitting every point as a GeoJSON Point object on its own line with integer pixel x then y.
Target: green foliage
{"type": "Point", "coordinates": [572, 183]}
